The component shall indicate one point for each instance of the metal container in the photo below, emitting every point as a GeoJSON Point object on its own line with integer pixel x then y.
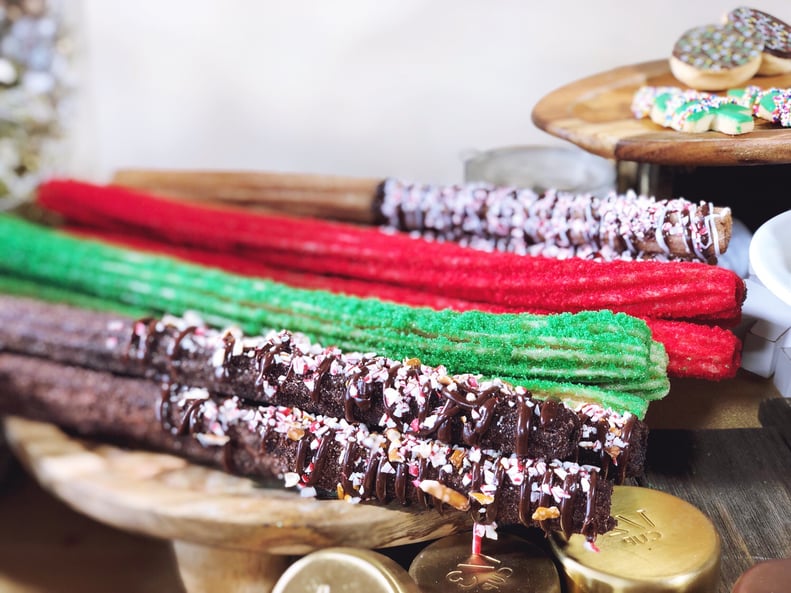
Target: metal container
{"type": "Point", "coordinates": [542, 167]}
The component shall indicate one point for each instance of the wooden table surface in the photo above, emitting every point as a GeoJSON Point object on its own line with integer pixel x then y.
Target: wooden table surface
{"type": "Point", "coordinates": [45, 547]}
{"type": "Point", "coordinates": [724, 447]}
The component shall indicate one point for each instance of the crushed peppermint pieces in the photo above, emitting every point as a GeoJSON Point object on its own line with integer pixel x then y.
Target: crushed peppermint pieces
{"type": "Point", "coordinates": [213, 422]}
{"type": "Point", "coordinates": [554, 224]}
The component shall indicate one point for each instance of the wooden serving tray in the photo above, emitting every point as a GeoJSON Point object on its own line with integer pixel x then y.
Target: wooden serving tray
{"type": "Point", "coordinates": [228, 533]}
{"type": "Point", "coordinates": [595, 114]}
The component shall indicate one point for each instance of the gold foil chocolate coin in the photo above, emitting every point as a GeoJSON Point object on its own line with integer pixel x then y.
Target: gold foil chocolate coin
{"type": "Point", "coordinates": [661, 544]}
{"type": "Point", "coordinates": [350, 570]}
{"type": "Point", "coordinates": [508, 564]}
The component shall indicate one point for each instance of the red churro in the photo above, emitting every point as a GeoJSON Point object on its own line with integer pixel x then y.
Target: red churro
{"type": "Point", "coordinates": [670, 290]}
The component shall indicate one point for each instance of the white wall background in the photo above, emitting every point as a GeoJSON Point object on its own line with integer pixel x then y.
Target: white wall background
{"type": "Point", "coordinates": [352, 87]}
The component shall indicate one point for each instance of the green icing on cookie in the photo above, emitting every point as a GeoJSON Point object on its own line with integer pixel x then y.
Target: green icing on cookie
{"type": "Point", "coordinates": [767, 100]}
{"type": "Point", "coordinates": [693, 111]}
{"type": "Point", "coordinates": [731, 118]}
{"type": "Point", "coordinates": [735, 112]}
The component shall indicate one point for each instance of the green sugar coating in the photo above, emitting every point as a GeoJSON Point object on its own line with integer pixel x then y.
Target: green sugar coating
{"type": "Point", "coordinates": [569, 392]}
{"type": "Point", "coordinates": [591, 348]}
{"type": "Point", "coordinates": [22, 287]}
{"type": "Point", "coordinates": [573, 394]}
{"type": "Point", "coordinates": [735, 112]}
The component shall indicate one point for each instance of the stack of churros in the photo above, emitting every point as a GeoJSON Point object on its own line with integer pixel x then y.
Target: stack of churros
{"type": "Point", "coordinates": [353, 426]}
{"type": "Point", "coordinates": [370, 364]}
{"type": "Point", "coordinates": [609, 357]}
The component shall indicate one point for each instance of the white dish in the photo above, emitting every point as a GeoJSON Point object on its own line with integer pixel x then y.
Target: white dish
{"type": "Point", "coordinates": [770, 255]}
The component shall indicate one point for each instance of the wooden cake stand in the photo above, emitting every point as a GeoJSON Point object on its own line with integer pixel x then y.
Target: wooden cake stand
{"type": "Point", "coordinates": [229, 534]}
{"type": "Point", "coordinates": [595, 114]}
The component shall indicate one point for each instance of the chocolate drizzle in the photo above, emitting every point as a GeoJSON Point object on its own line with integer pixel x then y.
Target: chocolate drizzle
{"type": "Point", "coordinates": [330, 453]}
{"type": "Point", "coordinates": [587, 529]}
{"type": "Point", "coordinates": [523, 424]}
{"type": "Point", "coordinates": [552, 223]}
{"type": "Point", "coordinates": [175, 347]}
{"type": "Point", "coordinates": [143, 331]}
{"type": "Point", "coordinates": [566, 509]}
{"type": "Point", "coordinates": [319, 459]}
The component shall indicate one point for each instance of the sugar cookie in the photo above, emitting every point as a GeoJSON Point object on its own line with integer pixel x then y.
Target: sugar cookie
{"type": "Point", "coordinates": [693, 111]}
{"type": "Point", "coordinates": [772, 105]}
{"type": "Point", "coordinates": [732, 119]}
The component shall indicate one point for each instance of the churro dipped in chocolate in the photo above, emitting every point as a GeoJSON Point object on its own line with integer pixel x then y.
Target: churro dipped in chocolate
{"type": "Point", "coordinates": [286, 369]}
{"type": "Point", "coordinates": [557, 224]}
{"type": "Point", "coordinates": [320, 455]}
{"type": "Point", "coordinates": [553, 224]}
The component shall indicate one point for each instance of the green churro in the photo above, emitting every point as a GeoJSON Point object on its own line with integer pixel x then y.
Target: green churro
{"type": "Point", "coordinates": [590, 348]}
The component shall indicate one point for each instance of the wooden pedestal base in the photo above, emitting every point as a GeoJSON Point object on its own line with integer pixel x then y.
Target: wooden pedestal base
{"type": "Point", "coordinates": [205, 569]}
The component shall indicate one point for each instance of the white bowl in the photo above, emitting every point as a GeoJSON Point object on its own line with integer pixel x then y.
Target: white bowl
{"type": "Point", "coordinates": [770, 255]}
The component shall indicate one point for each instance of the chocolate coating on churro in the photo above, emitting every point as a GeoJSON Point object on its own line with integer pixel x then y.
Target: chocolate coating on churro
{"type": "Point", "coordinates": [321, 456]}
{"type": "Point", "coordinates": [625, 226]}
{"type": "Point", "coordinates": [287, 369]}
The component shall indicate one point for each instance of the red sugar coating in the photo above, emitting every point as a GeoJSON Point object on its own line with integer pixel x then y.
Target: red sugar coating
{"type": "Point", "coordinates": [671, 290]}
{"type": "Point", "coordinates": [694, 350]}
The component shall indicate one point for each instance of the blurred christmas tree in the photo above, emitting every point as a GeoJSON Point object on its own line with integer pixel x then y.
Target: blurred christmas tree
{"type": "Point", "coordinates": [35, 83]}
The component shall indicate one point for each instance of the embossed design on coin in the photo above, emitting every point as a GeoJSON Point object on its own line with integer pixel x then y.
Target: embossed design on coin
{"type": "Point", "coordinates": [635, 528]}
{"type": "Point", "coordinates": [479, 573]}
{"type": "Point", "coordinates": [509, 564]}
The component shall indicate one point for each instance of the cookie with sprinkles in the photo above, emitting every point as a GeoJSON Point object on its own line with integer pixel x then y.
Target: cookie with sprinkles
{"type": "Point", "coordinates": [772, 105]}
{"type": "Point", "coordinates": [716, 57]}
{"type": "Point", "coordinates": [765, 107]}
{"type": "Point", "coordinates": [732, 119]}
{"type": "Point", "coordinates": [749, 96]}
{"type": "Point", "coordinates": [693, 111]}
{"type": "Point", "coordinates": [645, 98]}
{"type": "Point", "coordinates": [667, 103]}
{"type": "Point", "coordinates": [775, 34]}
{"type": "Point", "coordinates": [781, 114]}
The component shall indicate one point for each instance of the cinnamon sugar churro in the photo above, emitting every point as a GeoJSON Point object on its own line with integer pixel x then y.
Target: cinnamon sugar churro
{"type": "Point", "coordinates": [486, 217]}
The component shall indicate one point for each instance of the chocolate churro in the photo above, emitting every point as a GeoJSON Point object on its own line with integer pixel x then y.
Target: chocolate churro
{"type": "Point", "coordinates": [319, 455]}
